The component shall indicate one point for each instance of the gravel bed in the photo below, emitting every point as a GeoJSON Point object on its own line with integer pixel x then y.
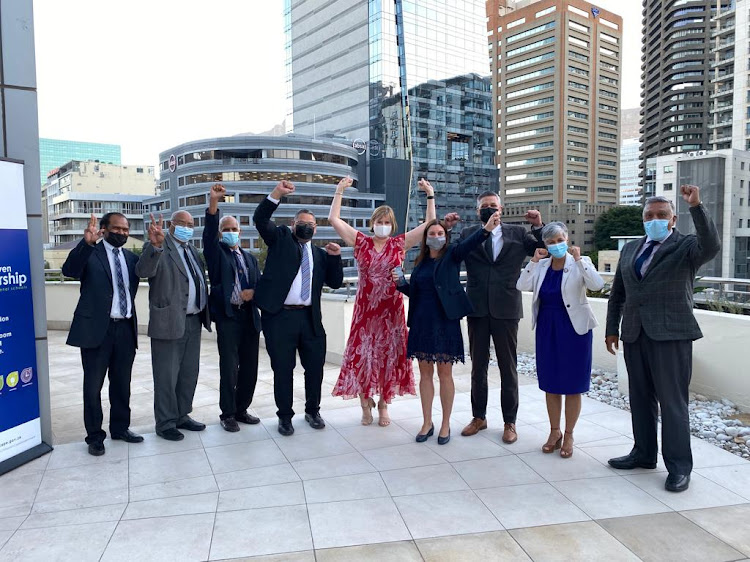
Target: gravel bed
{"type": "Point", "coordinates": [714, 421]}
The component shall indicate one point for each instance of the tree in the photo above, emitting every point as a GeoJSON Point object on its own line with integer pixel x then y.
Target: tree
{"type": "Point", "coordinates": [617, 221]}
{"type": "Point", "coordinates": [262, 254]}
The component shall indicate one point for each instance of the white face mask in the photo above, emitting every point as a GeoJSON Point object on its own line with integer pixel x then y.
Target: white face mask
{"type": "Point", "coordinates": [382, 230]}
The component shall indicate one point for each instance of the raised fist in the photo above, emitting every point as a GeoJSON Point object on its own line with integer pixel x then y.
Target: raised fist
{"type": "Point", "coordinates": [425, 186]}
{"type": "Point", "coordinates": [451, 219]}
{"type": "Point", "coordinates": [218, 192]}
{"type": "Point", "coordinates": [333, 249]}
{"type": "Point", "coordinates": [540, 254]}
{"type": "Point", "coordinates": [691, 194]}
{"type": "Point", "coordinates": [533, 217]}
{"type": "Point", "coordinates": [575, 251]}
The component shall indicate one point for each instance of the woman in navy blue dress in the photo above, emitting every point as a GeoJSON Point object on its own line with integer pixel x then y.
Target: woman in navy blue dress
{"type": "Point", "coordinates": [559, 277]}
{"type": "Point", "coordinates": [437, 302]}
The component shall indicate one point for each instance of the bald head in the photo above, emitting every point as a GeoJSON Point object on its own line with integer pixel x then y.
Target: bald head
{"type": "Point", "coordinates": [181, 219]}
{"type": "Point", "coordinates": [229, 224]}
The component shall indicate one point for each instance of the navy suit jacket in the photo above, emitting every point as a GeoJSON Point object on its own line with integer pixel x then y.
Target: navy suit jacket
{"type": "Point", "coordinates": [91, 316]}
{"type": "Point", "coordinates": [447, 279]}
{"type": "Point", "coordinates": [282, 263]}
{"type": "Point", "coordinates": [222, 267]}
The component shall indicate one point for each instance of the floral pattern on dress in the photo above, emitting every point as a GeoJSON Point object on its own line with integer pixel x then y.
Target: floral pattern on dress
{"type": "Point", "coordinates": [375, 361]}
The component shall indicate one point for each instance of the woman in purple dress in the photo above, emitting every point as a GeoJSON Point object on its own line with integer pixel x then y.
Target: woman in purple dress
{"type": "Point", "coordinates": [559, 277]}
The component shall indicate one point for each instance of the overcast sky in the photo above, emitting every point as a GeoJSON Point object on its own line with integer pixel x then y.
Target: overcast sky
{"type": "Point", "coordinates": [150, 74]}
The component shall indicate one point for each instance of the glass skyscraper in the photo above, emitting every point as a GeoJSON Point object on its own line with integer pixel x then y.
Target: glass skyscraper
{"type": "Point", "coordinates": [408, 78]}
{"type": "Point", "coordinates": [53, 153]}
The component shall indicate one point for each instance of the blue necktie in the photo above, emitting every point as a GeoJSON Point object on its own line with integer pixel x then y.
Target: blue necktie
{"type": "Point", "coordinates": [643, 257]}
{"type": "Point", "coordinates": [120, 284]}
{"type": "Point", "coordinates": [305, 267]}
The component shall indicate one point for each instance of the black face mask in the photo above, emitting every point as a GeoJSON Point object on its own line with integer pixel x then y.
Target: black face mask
{"type": "Point", "coordinates": [304, 231]}
{"type": "Point", "coordinates": [116, 239]}
{"type": "Point", "coordinates": [486, 213]}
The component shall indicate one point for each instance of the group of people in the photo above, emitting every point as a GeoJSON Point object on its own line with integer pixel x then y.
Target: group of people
{"type": "Point", "coordinates": [651, 296]}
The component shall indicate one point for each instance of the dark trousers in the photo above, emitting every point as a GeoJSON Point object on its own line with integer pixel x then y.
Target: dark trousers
{"type": "Point", "coordinates": [660, 371]}
{"type": "Point", "coordinates": [116, 355]}
{"type": "Point", "coordinates": [286, 333]}
{"type": "Point", "coordinates": [504, 334]}
{"type": "Point", "coordinates": [175, 365]}
{"type": "Point", "coordinates": [237, 339]}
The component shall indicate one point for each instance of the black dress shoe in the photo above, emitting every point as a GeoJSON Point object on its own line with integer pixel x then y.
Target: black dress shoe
{"type": "Point", "coordinates": [286, 428]}
{"type": "Point", "coordinates": [422, 437]}
{"type": "Point", "coordinates": [677, 482]}
{"type": "Point", "coordinates": [96, 449]}
{"type": "Point", "coordinates": [444, 440]}
{"type": "Point", "coordinates": [230, 424]}
{"type": "Point", "coordinates": [629, 462]}
{"type": "Point", "coordinates": [171, 434]}
{"type": "Point", "coordinates": [244, 417]}
{"type": "Point", "coordinates": [315, 421]}
{"type": "Point", "coordinates": [192, 425]}
{"type": "Point", "coordinates": [127, 436]}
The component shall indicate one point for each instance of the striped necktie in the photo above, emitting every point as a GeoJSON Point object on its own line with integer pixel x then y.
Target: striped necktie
{"type": "Point", "coordinates": [305, 268]}
{"type": "Point", "coordinates": [643, 257]}
{"type": "Point", "coordinates": [120, 284]}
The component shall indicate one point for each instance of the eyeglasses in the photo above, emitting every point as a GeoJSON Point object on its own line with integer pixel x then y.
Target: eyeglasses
{"type": "Point", "coordinates": [310, 224]}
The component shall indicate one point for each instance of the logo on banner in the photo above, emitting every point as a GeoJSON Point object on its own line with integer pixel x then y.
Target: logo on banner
{"type": "Point", "coordinates": [10, 280]}
{"type": "Point", "coordinates": [26, 375]}
{"type": "Point", "coordinates": [11, 379]}
{"type": "Point", "coordinates": [2, 382]}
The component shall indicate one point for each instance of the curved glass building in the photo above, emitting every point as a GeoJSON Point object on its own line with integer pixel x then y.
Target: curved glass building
{"type": "Point", "coordinates": [250, 167]}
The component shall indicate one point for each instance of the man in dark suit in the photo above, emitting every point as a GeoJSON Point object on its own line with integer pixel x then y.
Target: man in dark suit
{"type": "Point", "coordinates": [492, 271]}
{"type": "Point", "coordinates": [234, 275]}
{"type": "Point", "coordinates": [289, 296]}
{"type": "Point", "coordinates": [653, 296]}
{"type": "Point", "coordinates": [178, 307]}
{"type": "Point", "coordinates": [104, 325]}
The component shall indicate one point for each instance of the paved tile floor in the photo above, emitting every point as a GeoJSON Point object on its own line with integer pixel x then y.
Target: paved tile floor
{"type": "Point", "coordinates": [353, 493]}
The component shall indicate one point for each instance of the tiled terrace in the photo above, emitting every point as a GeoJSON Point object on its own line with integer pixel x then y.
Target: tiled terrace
{"type": "Point", "coordinates": [351, 492]}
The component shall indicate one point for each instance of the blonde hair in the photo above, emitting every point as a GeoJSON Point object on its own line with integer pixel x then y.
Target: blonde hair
{"type": "Point", "coordinates": [383, 212]}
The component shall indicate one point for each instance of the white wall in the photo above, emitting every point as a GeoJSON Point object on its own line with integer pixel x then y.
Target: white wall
{"type": "Point", "coordinates": [720, 367]}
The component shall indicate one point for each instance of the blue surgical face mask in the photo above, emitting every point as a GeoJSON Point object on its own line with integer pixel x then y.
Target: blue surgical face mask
{"type": "Point", "coordinates": [231, 239]}
{"type": "Point", "coordinates": [183, 233]}
{"type": "Point", "coordinates": [657, 229]}
{"type": "Point", "coordinates": [558, 250]}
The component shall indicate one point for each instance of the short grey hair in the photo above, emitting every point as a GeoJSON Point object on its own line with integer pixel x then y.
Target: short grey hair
{"type": "Point", "coordinates": [553, 230]}
{"type": "Point", "coordinates": [225, 218]}
{"type": "Point", "coordinates": [488, 194]}
{"type": "Point", "coordinates": [659, 199]}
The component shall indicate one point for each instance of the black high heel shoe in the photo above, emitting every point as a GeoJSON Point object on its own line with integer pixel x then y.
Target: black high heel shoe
{"type": "Point", "coordinates": [422, 437]}
{"type": "Point", "coordinates": [444, 440]}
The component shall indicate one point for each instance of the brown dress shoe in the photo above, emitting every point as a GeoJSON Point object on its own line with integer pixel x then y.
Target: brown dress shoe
{"type": "Point", "coordinates": [475, 426]}
{"type": "Point", "coordinates": [509, 433]}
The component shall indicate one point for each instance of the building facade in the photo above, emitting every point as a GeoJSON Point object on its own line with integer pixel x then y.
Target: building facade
{"type": "Point", "coordinates": [724, 179]}
{"type": "Point", "coordinates": [413, 90]}
{"type": "Point", "coordinates": [53, 153]}
{"type": "Point", "coordinates": [250, 167]}
{"type": "Point", "coordinates": [631, 192]}
{"type": "Point", "coordinates": [676, 95]}
{"type": "Point", "coordinates": [77, 189]}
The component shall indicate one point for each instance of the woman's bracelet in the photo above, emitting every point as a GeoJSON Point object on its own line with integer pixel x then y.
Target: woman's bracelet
{"type": "Point", "coordinates": [430, 197]}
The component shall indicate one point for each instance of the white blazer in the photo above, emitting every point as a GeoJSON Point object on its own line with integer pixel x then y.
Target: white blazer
{"type": "Point", "coordinates": [577, 277]}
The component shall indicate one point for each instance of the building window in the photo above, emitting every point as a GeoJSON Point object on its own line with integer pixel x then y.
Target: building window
{"type": "Point", "coordinates": [739, 225]}
{"type": "Point", "coordinates": [668, 169]}
{"type": "Point", "coordinates": [667, 187]}
{"type": "Point", "coordinates": [607, 268]}
{"type": "Point", "coordinates": [742, 165]}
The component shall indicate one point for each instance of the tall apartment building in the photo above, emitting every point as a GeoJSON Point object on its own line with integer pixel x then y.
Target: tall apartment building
{"type": "Point", "coordinates": [54, 153]}
{"type": "Point", "coordinates": [76, 190]}
{"type": "Point", "coordinates": [675, 90]}
{"type": "Point", "coordinates": [556, 81]}
{"type": "Point", "coordinates": [408, 81]}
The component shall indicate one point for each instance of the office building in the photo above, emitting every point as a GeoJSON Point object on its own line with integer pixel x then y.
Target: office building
{"type": "Point", "coordinates": [556, 82]}
{"type": "Point", "coordinates": [676, 93]}
{"type": "Point", "coordinates": [250, 167]}
{"type": "Point", "coordinates": [53, 153]}
{"type": "Point", "coordinates": [631, 192]}
{"type": "Point", "coordinates": [412, 90]}
{"type": "Point", "coordinates": [724, 179]}
{"type": "Point", "coordinates": [78, 189]}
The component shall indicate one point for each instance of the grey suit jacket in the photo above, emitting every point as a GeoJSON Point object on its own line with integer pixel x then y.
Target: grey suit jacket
{"type": "Point", "coordinates": [491, 283]}
{"type": "Point", "coordinates": [168, 290]}
{"type": "Point", "coordinates": [662, 302]}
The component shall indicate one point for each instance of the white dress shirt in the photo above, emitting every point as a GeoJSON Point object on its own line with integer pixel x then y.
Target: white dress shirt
{"type": "Point", "coordinates": [191, 307]}
{"type": "Point", "coordinates": [294, 297]}
{"type": "Point", "coordinates": [497, 241]}
{"type": "Point", "coordinates": [115, 310]}
{"type": "Point", "coordinates": [653, 252]}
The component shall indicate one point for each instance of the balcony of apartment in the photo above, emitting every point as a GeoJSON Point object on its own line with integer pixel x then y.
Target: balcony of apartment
{"type": "Point", "coordinates": [723, 12]}
{"type": "Point", "coordinates": [353, 492]}
{"type": "Point", "coordinates": [724, 43]}
{"type": "Point", "coordinates": [723, 91]}
{"type": "Point", "coordinates": [723, 30]}
{"type": "Point", "coordinates": [723, 62]}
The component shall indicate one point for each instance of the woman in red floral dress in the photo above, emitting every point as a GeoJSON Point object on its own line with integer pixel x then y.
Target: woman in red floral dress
{"type": "Point", "coordinates": [375, 360]}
